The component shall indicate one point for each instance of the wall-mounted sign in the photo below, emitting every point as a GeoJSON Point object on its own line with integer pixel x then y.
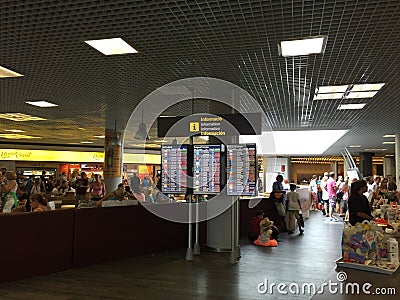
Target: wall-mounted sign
{"type": "Point", "coordinates": [72, 156]}
{"type": "Point", "coordinates": [209, 124]}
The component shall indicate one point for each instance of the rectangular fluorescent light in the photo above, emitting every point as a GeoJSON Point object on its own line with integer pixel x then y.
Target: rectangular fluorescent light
{"type": "Point", "coordinates": [375, 149]}
{"type": "Point", "coordinates": [41, 103]}
{"type": "Point", "coordinates": [281, 142]}
{"type": "Point", "coordinates": [333, 89]}
{"type": "Point", "coordinates": [112, 46]}
{"type": "Point", "coordinates": [160, 141]}
{"type": "Point", "coordinates": [351, 106]}
{"type": "Point", "coordinates": [389, 143]}
{"type": "Point", "coordinates": [19, 117]}
{"type": "Point", "coordinates": [389, 136]}
{"type": "Point", "coordinates": [86, 142]}
{"type": "Point", "coordinates": [367, 87]}
{"type": "Point", "coordinates": [4, 72]}
{"type": "Point", "coordinates": [16, 136]}
{"type": "Point", "coordinates": [355, 146]}
{"type": "Point", "coordinates": [328, 96]}
{"type": "Point", "coordinates": [305, 46]}
{"type": "Point", "coordinates": [357, 95]}
{"type": "Point", "coordinates": [389, 155]}
{"type": "Point", "coordinates": [15, 130]}
{"type": "Point", "coordinates": [99, 136]}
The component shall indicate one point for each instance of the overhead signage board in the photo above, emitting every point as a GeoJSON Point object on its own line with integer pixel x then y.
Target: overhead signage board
{"type": "Point", "coordinates": [209, 124]}
{"type": "Point", "coordinates": [207, 169]}
{"type": "Point", "coordinates": [174, 169]}
{"type": "Point", "coordinates": [241, 169]}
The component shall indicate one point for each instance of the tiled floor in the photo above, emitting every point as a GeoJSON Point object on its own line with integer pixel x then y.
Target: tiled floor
{"type": "Point", "coordinates": [297, 260]}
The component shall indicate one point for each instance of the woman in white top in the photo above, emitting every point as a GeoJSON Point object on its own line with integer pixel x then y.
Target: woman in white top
{"type": "Point", "coordinates": [36, 189]}
{"type": "Point", "coordinates": [9, 188]}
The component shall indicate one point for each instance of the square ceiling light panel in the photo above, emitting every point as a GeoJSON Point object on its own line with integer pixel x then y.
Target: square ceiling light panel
{"type": "Point", "coordinates": [329, 96]}
{"type": "Point", "coordinates": [306, 46]}
{"type": "Point", "coordinates": [389, 136]}
{"type": "Point", "coordinates": [4, 73]}
{"type": "Point", "coordinates": [15, 130]}
{"type": "Point", "coordinates": [41, 103]}
{"type": "Point", "coordinates": [367, 87]}
{"type": "Point", "coordinates": [16, 136]}
{"type": "Point", "coordinates": [359, 95]}
{"type": "Point", "coordinates": [18, 117]}
{"type": "Point", "coordinates": [332, 89]}
{"type": "Point", "coordinates": [351, 106]}
{"type": "Point", "coordinates": [114, 46]}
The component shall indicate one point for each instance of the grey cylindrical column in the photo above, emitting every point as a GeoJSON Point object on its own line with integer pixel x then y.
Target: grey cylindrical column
{"type": "Point", "coordinates": [366, 163]}
{"type": "Point", "coordinates": [389, 166]}
{"type": "Point", "coordinates": [113, 149]}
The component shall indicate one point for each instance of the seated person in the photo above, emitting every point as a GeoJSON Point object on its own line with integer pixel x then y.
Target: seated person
{"type": "Point", "coordinates": [64, 188]}
{"type": "Point", "coordinates": [254, 226]}
{"type": "Point", "coordinates": [39, 203]}
{"type": "Point", "coordinates": [119, 194]}
{"type": "Point", "coordinates": [148, 196]}
{"type": "Point", "coordinates": [266, 237]}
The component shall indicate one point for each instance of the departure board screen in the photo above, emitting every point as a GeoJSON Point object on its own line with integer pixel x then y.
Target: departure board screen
{"type": "Point", "coordinates": [174, 169]}
{"type": "Point", "coordinates": [241, 169]}
{"type": "Point", "coordinates": [207, 169]}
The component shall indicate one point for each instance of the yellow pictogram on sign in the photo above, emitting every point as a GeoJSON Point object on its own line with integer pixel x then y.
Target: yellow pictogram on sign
{"type": "Point", "coordinates": [194, 126]}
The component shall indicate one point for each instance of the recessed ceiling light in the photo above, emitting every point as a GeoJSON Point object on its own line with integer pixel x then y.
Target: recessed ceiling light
{"type": "Point", "coordinates": [304, 46]}
{"type": "Point", "coordinates": [16, 136]}
{"type": "Point", "coordinates": [351, 106]}
{"type": "Point", "coordinates": [367, 87]}
{"type": "Point", "coordinates": [15, 130]}
{"type": "Point", "coordinates": [160, 141]}
{"type": "Point", "coordinates": [18, 117]}
{"type": "Point", "coordinates": [328, 96]}
{"type": "Point", "coordinates": [86, 142]}
{"type": "Point", "coordinates": [81, 128]}
{"type": "Point", "coordinates": [375, 149]}
{"type": "Point", "coordinates": [4, 72]}
{"type": "Point", "coordinates": [357, 95]}
{"type": "Point", "coordinates": [389, 143]}
{"type": "Point", "coordinates": [355, 146]}
{"type": "Point", "coordinates": [390, 155]}
{"type": "Point", "coordinates": [333, 89]}
{"type": "Point", "coordinates": [41, 103]}
{"type": "Point", "coordinates": [100, 136]}
{"type": "Point", "coordinates": [111, 46]}
{"type": "Point", "coordinates": [389, 136]}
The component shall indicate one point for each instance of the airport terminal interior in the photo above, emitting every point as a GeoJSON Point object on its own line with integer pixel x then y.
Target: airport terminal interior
{"type": "Point", "coordinates": [199, 149]}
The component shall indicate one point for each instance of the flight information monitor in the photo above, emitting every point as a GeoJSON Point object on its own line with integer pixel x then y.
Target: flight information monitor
{"type": "Point", "coordinates": [241, 169]}
{"type": "Point", "coordinates": [207, 169]}
{"type": "Point", "coordinates": [174, 169]}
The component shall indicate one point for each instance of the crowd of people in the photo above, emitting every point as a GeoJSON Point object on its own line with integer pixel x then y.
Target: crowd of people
{"type": "Point", "coordinates": [20, 193]}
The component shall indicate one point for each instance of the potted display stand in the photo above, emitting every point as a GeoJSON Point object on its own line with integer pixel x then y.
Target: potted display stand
{"type": "Point", "coordinates": [364, 248]}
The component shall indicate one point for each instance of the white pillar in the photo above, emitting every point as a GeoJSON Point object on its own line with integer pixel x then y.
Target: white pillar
{"type": "Point", "coordinates": [113, 150]}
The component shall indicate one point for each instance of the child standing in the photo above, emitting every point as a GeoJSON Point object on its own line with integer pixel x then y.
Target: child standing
{"type": "Point", "coordinates": [293, 210]}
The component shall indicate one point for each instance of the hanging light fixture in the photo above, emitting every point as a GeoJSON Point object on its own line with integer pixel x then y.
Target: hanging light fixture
{"type": "Point", "coordinates": [141, 133]}
{"type": "Point", "coordinates": [115, 141]}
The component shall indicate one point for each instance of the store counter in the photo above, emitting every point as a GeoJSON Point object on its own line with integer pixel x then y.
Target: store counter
{"type": "Point", "coordinates": [52, 241]}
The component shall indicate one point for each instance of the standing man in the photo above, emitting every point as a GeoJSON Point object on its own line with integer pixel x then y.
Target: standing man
{"type": "Point", "coordinates": [82, 185]}
{"type": "Point", "coordinates": [331, 188]}
{"type": "Point", "coordinates": [135, 183]}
